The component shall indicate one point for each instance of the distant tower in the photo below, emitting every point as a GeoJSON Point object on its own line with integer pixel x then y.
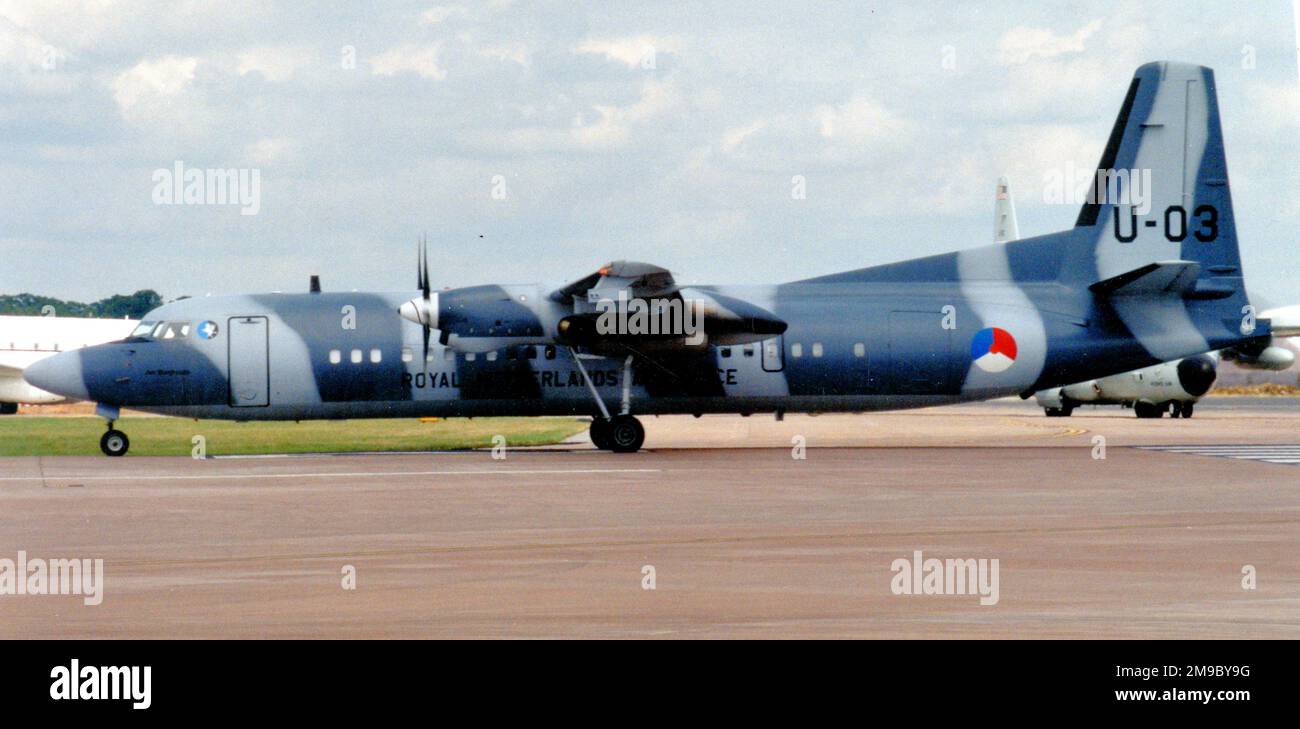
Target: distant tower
{"type": "Point", "coordinates": [1005, 227]}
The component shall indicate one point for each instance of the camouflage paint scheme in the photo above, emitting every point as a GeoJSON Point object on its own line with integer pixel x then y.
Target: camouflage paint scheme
{"type": "Point", "coordinates": [1088, 302]}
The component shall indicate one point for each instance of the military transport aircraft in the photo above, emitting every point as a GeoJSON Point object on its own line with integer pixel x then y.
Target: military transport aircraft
{"type": "Point", "coordinates": [1129, 286]}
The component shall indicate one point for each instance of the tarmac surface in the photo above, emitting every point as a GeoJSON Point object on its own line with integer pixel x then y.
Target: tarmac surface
{"type": "Point", "coordinates": [744, 539]}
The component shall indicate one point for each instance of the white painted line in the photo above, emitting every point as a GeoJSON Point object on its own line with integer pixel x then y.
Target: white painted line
{"type": "Point", "coordinates": [357, 474]}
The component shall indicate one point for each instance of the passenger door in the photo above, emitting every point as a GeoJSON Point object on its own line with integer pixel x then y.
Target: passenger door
{"type": "Point", "coordinates": [249, 349]}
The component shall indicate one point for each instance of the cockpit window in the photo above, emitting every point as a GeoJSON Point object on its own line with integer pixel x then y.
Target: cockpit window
{"type": "Point", "coordinates": [163, 329]}
{"type": "Point", "coordinates": [173, 330]}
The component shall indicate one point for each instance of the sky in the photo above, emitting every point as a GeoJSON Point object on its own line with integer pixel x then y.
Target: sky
{"type": "Point", "coordinates": [731, 142]}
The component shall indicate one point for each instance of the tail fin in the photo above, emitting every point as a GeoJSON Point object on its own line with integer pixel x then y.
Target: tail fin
{"type": "Point", "coordinates": [1005, 227]}
{"type": "Point", "coordinates": [1157, 237]}
{"type": "Point", "coordinates": [1160, 192]}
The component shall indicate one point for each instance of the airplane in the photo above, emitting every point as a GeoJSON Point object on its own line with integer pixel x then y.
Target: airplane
{"type": "Point", "coordinates": [1126, 287]}
{"type": "Point", "coordinates": [28, 339]}
{"type": "Point", "coordinates": [1174, 387]}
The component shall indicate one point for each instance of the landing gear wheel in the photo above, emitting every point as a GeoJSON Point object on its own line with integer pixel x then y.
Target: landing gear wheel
{"type": "Point", "coordinates": [1147, 410]}
{"type": "Point", "coordinates": [625, 434]}
{"type": "Point", "coordinates": [600, 432]}
{"type": "Point", "coordinates": [1175, 409]}
{"type": "Point", "coordinates": [114, 443]}
{"type": "Point", "coordinates": [1061, 412]}
{"type": "Point", "coordinates": [1187, 410]}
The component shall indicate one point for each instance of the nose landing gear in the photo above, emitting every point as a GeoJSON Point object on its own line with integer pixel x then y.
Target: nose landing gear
{"type": "Point", "coordinates": [114, 443]}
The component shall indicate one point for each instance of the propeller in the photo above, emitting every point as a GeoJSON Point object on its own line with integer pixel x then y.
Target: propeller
{"type": "Point", "coordinates": [422, 310]}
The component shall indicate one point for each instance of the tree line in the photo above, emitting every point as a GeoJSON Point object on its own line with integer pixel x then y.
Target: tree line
{"type": "Point", "coordinates": [118, 306]}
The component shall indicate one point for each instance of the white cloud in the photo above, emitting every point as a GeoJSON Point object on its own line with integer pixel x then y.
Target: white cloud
{"type": "Point", "coordinates": [270, 150]}
{"type": "Point", "coordinates": [441, 13]}
{"type": "Point", "coordinates": [276, 63]}
{"type": "Point", "coordinates": [153, 80]}
{"type": "Point", "coordinates": [409, 58]}
{"type": "Point", "coordinates": [1022, 43]}
{"type": "Point", "coordinates": [633, 51]}
{"type": "Point", "coordinates": [856, 121]}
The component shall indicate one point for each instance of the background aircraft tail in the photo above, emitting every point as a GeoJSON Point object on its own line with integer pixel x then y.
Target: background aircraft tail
{"type": "Point", "coordinates": [1005, 227]}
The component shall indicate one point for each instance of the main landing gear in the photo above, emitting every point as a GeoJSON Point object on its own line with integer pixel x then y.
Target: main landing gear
{"type": "Point", "coordinates": [1157, 410]}
{"type": "Point", "coordinates": [114, 443]}
{"type": "Point", "coordinates": [620, 433]}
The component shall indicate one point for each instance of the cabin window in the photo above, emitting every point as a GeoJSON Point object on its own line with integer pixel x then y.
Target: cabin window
{"type": "Point", "coordinates": [530, 352]}
{"type": "Point", "coordinates": [356, 356]}
{"type": "Point", "coordinates": [470, 357]}
{"type": "Point", "coordinates": [817, 349]}
{"type": "Point", "coordinates": [796, 350]}
{"type": "Point", "coordinates": [335, 356]}
{"type": "Point", "coordinates": [859, 349]}
{"type": "Point", "coordinates": [407, 354]}
{"type": "Point", "coordinates": [491, 356]}
{"type": "Point", "coordinates": [550, 351]}
{"type": "Point", "coordinates": [748, 350]}
{"type": "Point", "coordinates": [448, 355]}
{"type": "Point", "coordinates": [726, 351]}
{"type": "Point", "coordinates": [376, 356]}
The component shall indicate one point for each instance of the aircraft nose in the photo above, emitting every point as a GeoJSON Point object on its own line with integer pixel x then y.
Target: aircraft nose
{"type": "Point", "coordinates": [60, 374]}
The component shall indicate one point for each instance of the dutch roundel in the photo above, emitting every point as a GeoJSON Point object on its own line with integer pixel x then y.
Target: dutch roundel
{"type": "Point", "coordinates": [993, 349]}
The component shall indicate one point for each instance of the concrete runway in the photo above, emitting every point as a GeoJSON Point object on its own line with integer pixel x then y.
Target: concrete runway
{"type": "Point", "coordinates": [745, 541]}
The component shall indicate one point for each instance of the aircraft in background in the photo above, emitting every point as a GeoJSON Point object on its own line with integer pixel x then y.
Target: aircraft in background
{"type": "Point", "coordinates": [25, 340]}
{"type": "Point", "coordinates": [1128, 286]}
{"type": "Point", "coordinates": [1174, 387]}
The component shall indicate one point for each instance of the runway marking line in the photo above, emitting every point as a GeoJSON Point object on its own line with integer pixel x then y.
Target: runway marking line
{"type": "Point", "coordinates": [326, 474]}
{"type": "Point", "coordinates": [1283, 454]}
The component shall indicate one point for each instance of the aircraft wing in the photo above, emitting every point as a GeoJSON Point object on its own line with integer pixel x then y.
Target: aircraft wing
{"type": "Point", "coordinates": [638, 280]}
{"type": "Point", "coordinates": [15, 362]}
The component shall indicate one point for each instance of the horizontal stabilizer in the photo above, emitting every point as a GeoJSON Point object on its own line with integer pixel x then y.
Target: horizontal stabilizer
{"type": "Point", "coordinates": [1161, 277]}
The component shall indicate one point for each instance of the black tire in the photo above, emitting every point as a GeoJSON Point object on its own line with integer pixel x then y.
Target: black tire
{"type": "Point", "coordinates": [1066, 409]}
{"type": "Point", "coordinates": [600, 433]}
{"type": "Point", "coordinates": [1187, 409]}
{"type": "Point", "coordinates": [625, 434]}
{"type": "Point", "coordinates": [1175, 409]}
{"type": "Point", "coordinates": [1052, 412]}
{"type": "Point", "coordinates": [115, 444]}
{"type": "Point", "coordinates": [1147, 410]}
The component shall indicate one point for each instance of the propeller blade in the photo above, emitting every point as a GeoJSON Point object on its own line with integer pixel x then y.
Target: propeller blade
{"type": "Point", "coordinates": [424, 268]}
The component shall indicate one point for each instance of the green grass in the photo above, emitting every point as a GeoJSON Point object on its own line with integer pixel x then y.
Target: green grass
{"type": "Point", "coordinates": [153, 436]}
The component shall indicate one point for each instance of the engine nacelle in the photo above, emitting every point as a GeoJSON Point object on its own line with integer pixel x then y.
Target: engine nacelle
{"type": "Point", "coordinates": [1089, 391]}
{"type": "Point", "coordinates": [1272, 358]}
